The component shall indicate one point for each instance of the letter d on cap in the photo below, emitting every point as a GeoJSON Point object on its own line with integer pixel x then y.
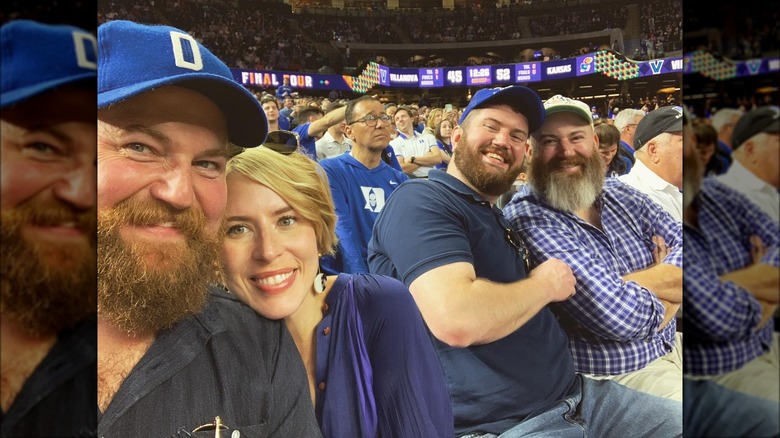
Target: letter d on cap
{"type": "Point", "coordinates": [80, 40]}
{"type": "Point", "coordinates": [177, 38]}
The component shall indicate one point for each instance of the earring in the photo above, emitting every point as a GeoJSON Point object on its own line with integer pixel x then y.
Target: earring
{"type": "Point", "coordinates": [319, 282]}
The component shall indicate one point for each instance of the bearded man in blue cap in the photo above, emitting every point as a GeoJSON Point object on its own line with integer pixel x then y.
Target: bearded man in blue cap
{"type": "Point", "coordinates": [47, 286]}
{"type": "Point", "coordinates": [508, 366]}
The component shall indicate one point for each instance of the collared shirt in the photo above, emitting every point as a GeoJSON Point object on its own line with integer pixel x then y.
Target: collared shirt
{"type": "Point", "coordinates": [328, 147]}
{"type": "Point", "coordinates": [377, 371]}
{"type": "Point", "coordinates": [658, 189]}
{"type": "Point", "coordinates": [226, 361]}
{"type": "Point", "coordinates": [438, 221]}
{"type": "Point", "coordinates": [414, 146]}
{"type": "Point", "coordinates": [757, 190]}
{"type": "Point", "coordinates": [58, 399]}
{"type": "Point", "coordinates": [720, 316]}
{"type": "Point", "coordinates": [612, 324]}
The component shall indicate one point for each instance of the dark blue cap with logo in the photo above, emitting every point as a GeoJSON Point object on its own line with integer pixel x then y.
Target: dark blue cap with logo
{"type": "Point", "coordinates": [754, 122]}
{"type": "Point", "coordinates": [136, 58]}
{"type": "Point", "coordinates": [523, 99]}
{"type": "Point", "coordinates": [656, 122]}
{"type": "Point", "coordinates": [40, 57]}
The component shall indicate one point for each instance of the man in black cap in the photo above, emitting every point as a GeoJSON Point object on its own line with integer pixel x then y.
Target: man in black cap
{"type": "Point", "coordinates": [728, 326]}
{"type": "Point", "coordinates": [658, 169]}
{"type": "Point", "coordinates": [755, 170]}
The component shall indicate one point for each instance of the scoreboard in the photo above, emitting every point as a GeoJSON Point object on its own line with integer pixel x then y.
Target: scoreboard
{"type": "Point", "coordinates": [604, 62]}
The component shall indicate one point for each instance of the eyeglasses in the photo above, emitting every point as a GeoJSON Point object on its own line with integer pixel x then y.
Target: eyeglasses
{"type": "Point", "coordinates": [217, 426]}
{"type": "Point", "coordinates": [283, 142]}
{"type": "Point", "coordinates": [517, 243]}
{"type": "Point", "coordinates": [370, 120]}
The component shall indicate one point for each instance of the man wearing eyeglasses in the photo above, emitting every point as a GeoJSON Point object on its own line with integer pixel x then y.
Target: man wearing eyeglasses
{"type": "Point", "coordinates": [172, 354]}
{"type": "Point", "coordinates": [506, 358]}
{"type": "Point", "coordinates": [47, 298]}
{"type": "Point", "coordinates": [624, 249]}
{"type": "Point", "coordinates": [360, 182]}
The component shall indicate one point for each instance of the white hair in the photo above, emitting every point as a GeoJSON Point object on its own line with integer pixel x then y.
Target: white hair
{"type": "Point", "coordinates": [723, 117]}
{"type": "Point", "coordinates": [626, 117]}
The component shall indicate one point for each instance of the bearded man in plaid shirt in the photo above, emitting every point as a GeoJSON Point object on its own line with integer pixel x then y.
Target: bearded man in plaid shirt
{"type": "Point", "coordinates": [624, 250]}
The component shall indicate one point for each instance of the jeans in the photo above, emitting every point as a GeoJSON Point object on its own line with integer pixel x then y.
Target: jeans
{"type": "Point", "coordinates": [714, 411]}
{"type": "Point", "coordinates": [603, 409]}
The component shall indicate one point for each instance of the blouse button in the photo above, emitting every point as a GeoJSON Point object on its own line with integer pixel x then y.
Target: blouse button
{"type": "Point", "coordinates": [326, 332]}
{"type": "Point", "coordinates": [321, 386]}
{"type": "Point", "coordinates": [325, 307]}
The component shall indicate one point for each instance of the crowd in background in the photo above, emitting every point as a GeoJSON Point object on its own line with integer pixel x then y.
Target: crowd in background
{"type": "Point", "coordinates": [268, 35]}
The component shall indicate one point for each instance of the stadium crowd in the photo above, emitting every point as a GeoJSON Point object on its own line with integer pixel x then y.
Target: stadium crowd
{"type": "Point", "coordinates": [267, 35]}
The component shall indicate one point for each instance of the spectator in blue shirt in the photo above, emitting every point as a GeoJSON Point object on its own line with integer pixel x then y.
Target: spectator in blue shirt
{"type": "Point", "coordinates": [443, 132]}
{"type": "Point", "coordinates": [371, 366]}
{"type": "Point", "coordinates": [624, 250]}
{"type": "Point", "coordinates": [360, 183]}
{"type": "Point", "coordinates": [312, 124]}
{"type": "Point", "coordinates": [284, 90]}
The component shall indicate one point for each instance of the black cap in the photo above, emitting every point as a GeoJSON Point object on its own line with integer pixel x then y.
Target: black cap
{"type": "Point", "coordinates": [656, 122]}
{"type": "Point", "coordinates": [762, 119]}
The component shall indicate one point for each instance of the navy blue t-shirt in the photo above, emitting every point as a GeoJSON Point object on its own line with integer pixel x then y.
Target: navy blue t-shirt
{"type": "Point", "coordinates": [439, 221]}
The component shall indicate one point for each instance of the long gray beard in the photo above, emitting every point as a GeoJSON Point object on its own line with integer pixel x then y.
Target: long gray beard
{"type": "Point", "coordinates": [568, 192]}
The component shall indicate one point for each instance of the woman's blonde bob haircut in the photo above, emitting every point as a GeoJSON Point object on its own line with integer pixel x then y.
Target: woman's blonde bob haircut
{"type": "Point", "coordinates": [299, 181]}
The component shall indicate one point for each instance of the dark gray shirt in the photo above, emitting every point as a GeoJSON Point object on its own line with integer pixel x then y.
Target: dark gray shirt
{"type": "Point", "coordinates": [227, 361]}
{"type": "Point", "coordinates": [58, 399]}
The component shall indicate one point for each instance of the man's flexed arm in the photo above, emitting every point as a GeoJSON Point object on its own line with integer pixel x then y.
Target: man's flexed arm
{"type": "Point", "coordinates": [461, 309]}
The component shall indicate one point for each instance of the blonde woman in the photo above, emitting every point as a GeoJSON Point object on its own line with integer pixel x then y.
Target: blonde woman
{"type": "Point", "coordinates": [371, 365]}
{"type": "Point", "coordinates": [433, 120]}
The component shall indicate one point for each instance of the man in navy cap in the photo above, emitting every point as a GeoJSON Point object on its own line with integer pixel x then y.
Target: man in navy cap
{"type": "Point", "coordinates": [755, 171]}
{"type": "Point", "coordinates": [509, 368]}
{"type": "Point", "coordinates": [47, 163]}
{"type": "Point", "coordinates": [658, 168]}
{"type": "Point", "coordinates": [173, 356]}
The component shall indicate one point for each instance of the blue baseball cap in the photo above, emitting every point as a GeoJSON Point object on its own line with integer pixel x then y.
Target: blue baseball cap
{"type": "Point", "coordinates": [135, 58]}
{"type": "Point", "coordinates": [523, 99]}
{"type": "Point", "coordinates": [39, 57]}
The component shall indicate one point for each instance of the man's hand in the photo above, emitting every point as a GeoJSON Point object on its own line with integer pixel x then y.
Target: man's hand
{"type": "Point", "coordinates": [757, 248]}
{"type": "Point", "coordinates": [759, 279]}
{"type": "Point", "coordinates": [557, 277]}
{"type": "Point", "coordinates": [660, 251]}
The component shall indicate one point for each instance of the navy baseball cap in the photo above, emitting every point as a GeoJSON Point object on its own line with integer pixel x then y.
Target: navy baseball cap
{"type": "Point", "coordinates": [523, 99]}
{"type": "Point", "coordinates": [656, 122]}
{"type": "Point", "coordinates": [39, 57]}
{"type": "Point", "coordinates": [754, 122]}
{"type": "Point", "coordinates": [135, 58]}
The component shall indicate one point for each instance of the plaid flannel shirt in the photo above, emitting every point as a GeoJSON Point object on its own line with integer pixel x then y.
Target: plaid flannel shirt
{"type": "Point", "coordinates": [721, 317]}
{"type": "Point", "coordinates": [612, 324]}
